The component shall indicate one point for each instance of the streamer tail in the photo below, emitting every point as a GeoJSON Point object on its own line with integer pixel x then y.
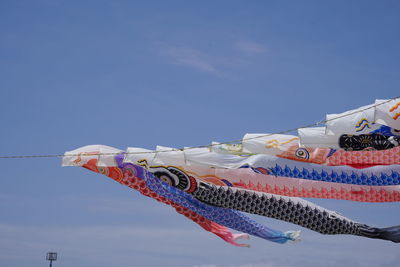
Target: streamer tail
{"type": "Point", "coordinates": [389, 233]}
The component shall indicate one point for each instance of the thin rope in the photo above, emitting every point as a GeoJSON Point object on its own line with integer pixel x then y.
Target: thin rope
{"type": "Point", "coordinates": [203, 146]}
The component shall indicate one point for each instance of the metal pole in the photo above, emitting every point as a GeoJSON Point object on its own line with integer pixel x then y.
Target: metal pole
{"type": "Point", "coordinates": [51, 263]}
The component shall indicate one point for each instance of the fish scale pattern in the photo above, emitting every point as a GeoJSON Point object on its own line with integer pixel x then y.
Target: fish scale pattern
{"type": "Point", "coordinates": [369, 195]}
{"type": "Point", "coordinates": [335, 177]}
{"type": "Point", "coordinates": [226, 217]}
{"type": "Point", "coordinates": [129, 179]}
{"type": "Point", "coordinates": [319, 220]}
{"type": "Point", "coordinates": [375, 157]}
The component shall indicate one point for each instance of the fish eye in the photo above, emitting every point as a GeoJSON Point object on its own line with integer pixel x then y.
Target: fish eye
{"type": "Point", "coordinates": [302, 153]}
{"type": "Point", "coordinates": [395, 132]}
{"type": "Point", "coordinates": [182, 181]}
{"type": "Point", "coordinates": [166, 179]}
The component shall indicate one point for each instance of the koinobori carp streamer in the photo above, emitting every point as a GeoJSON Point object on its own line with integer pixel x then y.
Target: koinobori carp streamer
{"type": "Point", "coordinates": [355, 156]}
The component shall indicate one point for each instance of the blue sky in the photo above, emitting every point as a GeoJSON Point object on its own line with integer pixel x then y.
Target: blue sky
{"type": "Point", "coordinates": [175, 73]}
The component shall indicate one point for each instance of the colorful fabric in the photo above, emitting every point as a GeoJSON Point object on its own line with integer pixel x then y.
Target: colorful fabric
{"type": "Point", "coordinates": [365, 158]}
{"type": "Point", "coordinates": [339, 182]}
{"type": "Point", "coordinates": [382, 117]}
{"type": "Point", "coordinates": [270, 144]}
{"type": "Point", "coordinates": [387, 131]}
{"type": "Point", "coordinates": [333, 157]}
{"type": "Point", "coordinates": [356, 121]}
{"type": "Point", "coordinates": [88, 158]}
{"type": "Point", "coordinates": [368, 141]}
{"type": "Point", "coordinates": [293, 210]}
{"type": "Point", "coordinates": [265, 173]}
{"type": "Point", "coordinates": [226, 217]}
{"type": "Point", "coordinates": [136, 183]}
{"type": "Point", "coordinates": [365, 119]}
{"type": "Point", "coordinates": [376, 175]}
{"type": "Point", "coordinates": [249, 179]}
{"type": "Point", "coordinates": [288, 146]}
{"type": "Point", "coordinates": [206, 216]}
{"type": "Point", "coordinates": [388, 113]}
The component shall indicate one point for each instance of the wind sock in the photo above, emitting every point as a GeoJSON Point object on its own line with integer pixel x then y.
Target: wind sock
{"type": "Point", "coordinates": [210, 218]}
{"type": "Point", "coordinates": [355, 156]}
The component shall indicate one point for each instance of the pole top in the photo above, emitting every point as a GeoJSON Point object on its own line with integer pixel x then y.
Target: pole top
{"type": "Point", "coordinates": [51, 256]}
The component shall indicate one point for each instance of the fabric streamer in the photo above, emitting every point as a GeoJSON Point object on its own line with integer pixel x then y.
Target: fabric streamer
{"type": "Point", "coordinates": [355, 156]}
{"type": "Point", "coordinates": [365, 158]}
{"type": "Point", "coordinates": [366, 141]}
{"type": "Point", "coordinates": [249, 179]}
{"type": "Point", "coordinates": [388, 113]}
{"type": "Point", "coordinates": [208, 217]}
{"type": "Point", "coordinates": [244, 172]}
{"type": "Point", "coordinates": [356, 121]}
{"type": "Point", "coordinates": [294, 210]}
{"type": "Point", "coordinates": [137, 184]}
{"type": "Point", "coordinates": [88, 158]}
{"type": "Point", "coordinates": [226, 217]}
{"type": "Point", "coordinates": [289, 147]}
{"type": "Point", "coordinates": [376, 175]}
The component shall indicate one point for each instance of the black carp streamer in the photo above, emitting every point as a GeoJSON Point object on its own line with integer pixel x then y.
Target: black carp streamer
{"type": "Point", "coordinates": [289, 209]}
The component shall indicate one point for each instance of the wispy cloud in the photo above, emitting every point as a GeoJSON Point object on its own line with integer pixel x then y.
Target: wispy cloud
{"type": "Point", "coordinates": [250, 47]}
{"type": "Point", "coordinates": [192, 58]}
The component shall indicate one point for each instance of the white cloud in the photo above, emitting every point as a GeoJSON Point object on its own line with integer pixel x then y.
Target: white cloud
{"type": "Point", "coordinates": [193, 58]}
{"type": "Point", "coordinates": [250, 47]}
